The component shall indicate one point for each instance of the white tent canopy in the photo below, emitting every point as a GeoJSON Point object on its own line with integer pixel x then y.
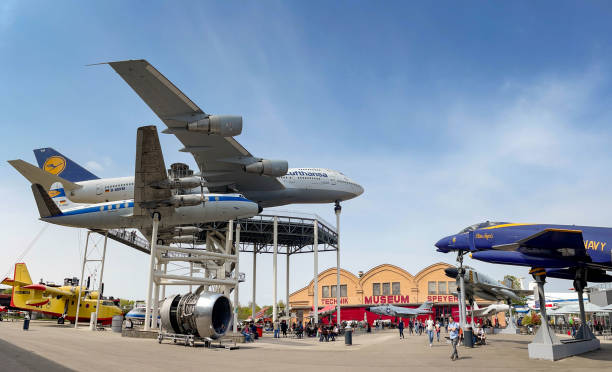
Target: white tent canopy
{"type": "Point", "coordinates": [575, 309]}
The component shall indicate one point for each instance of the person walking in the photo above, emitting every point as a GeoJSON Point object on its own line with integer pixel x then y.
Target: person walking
{"type": "Point", "coordinates": [410, 326]}
{"type": "Point", "coordinates": [400, 326]}
{"type": "Point", "coordinates": [453, 328]}
{"type": "Point", "coordinates": [430, 329]}
{"type": "Point", "coordinates": [438, 330]}
{"type": "Point", "coordinates": [276, 329]}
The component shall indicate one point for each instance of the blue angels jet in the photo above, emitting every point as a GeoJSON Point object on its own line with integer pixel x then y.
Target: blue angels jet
{"type": "Point", "coordinates": [565, 251]}
{"type": "Point", "coordinates": [579, 253]}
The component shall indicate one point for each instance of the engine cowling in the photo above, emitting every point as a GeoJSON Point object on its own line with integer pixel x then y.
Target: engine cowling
{"type": "Point", "coordinates": [203, 314]}
{"type": "Point", "coordinates": [222, 125]}
{"type": "Point", "coordinates": [186, 200]}
{"type": "Point", "coordinates": [182, 239]}
{"type": "Point", "coordinates": [178, 183]}
{"type": "Point", "coordinates": [274, 168]}
{"type": "Point", "coordinates": [183, 230]}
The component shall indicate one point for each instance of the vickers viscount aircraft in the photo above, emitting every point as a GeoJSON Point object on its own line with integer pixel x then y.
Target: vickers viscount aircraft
{"type": "Point", "coordinates": [59, 301]}
{"type": "Point", "coordinates": [479, 285]}
{"type": "Point", "coordinates": [392, 310]}
{"type": "Point", "coordinates": [153, 194]}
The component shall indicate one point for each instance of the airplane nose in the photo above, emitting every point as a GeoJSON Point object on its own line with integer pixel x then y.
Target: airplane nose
{"type": "Point", "coordinates": [360, 190]}
{"type": "Point", "coordinates": [451, 272]}
{"type": "Point", "coordinates": [457, 242]}
{"type": "Point", "coordinates": [443, 244]}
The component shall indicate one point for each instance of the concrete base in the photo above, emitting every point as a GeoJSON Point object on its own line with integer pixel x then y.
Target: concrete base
{"type": "Point", "coordinates": [233, 337]}
{"type": "Point", "coordinates": [561, 350]}
{"type": "Point", "coordinates": [507, 331]}
{"type": "Point", "coordinates": [137, 333]}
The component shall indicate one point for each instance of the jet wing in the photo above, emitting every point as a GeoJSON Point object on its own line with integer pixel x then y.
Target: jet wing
{"type": "Point", "coordinates": [219, 158]}
{"type": "Point", "coordinates": [551, 243]}
{"type": "Point", "coordinates": [150, 169]}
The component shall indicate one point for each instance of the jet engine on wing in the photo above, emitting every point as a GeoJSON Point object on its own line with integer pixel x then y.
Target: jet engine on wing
{"type": "Point", "coordinates": [274, 168]}
{"type": "Point", "coordinates": [178, 183]}
{"type": "Point", "coordinates": [222, 125]}
{"type": "Point", "coordinates": [186, 200]}
{"type": "Point", "coordinates": [203, 314]}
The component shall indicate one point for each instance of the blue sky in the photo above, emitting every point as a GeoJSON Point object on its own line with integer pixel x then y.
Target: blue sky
{"type": "Point", "coordinates": [447, 113]}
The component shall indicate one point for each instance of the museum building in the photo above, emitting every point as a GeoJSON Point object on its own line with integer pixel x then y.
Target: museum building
{"type": "Point", "coordinates": [383, 284]}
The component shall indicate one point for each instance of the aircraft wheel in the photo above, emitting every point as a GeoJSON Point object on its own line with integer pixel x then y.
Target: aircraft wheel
{"type": "Point", "coordinates": [60, 320]}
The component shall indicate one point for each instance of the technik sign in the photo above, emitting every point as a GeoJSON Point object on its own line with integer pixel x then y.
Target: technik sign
{"type": "Point", "coordinates": [386, 299]}
{"type": "Point", "coordinates": [333, 301]}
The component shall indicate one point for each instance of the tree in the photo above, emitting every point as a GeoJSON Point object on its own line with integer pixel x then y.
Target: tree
{"type": "Point", "coordinates": [514, 283]}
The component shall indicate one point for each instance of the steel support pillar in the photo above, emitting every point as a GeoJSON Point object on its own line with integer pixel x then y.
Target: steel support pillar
{"type": "Point", "coordinates": [76, 319]}
{"type": "Point", "coordinates": [338, 210]}
{"type": "Point", "coordinates": [287, 286]}
{"type": "Point", "coordinates": [584, 332]}
{"type": "Point", "coordinates": [237, 273]}
{"type": "Point", "coordinates": [461, 272]}
{"type": "Point", "coordinates": [253, 303]}
{"type": "Point", "coordinates": [100, 283]}
{"type": "Point", "coordinates": [316, 272]}
{"type": "Point", "coordinates": [148, 302]}
{"type": "Point", "coordinates": [545, 334]}
{"type": "Point", "coordinates": [275, 271]}
{"type": "Point", "coordinates": [155, 310]}
{"type": "Point", "coordinates": [163, 288]}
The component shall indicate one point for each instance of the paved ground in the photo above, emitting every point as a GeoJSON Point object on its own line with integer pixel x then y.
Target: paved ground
{"type": "Point", "coordinates": [97, 351]}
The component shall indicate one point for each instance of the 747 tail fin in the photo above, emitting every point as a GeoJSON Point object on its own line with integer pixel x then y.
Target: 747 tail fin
{"type": "Point", "coordinates": [56, 163]}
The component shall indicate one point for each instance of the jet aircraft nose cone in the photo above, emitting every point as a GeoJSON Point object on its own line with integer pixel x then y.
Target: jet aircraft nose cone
{"type": "Point", "coordinates": [457, 242]}
{"type": "Point", "coordinates": [443, 244]}
{"type": "Point", "coordinates": [360, 190]}
{"type": "Point", "coordinates": [451, 272]}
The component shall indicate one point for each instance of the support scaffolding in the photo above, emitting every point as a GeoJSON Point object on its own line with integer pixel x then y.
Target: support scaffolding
{"type": "Point", "coordinates": [91, 255]}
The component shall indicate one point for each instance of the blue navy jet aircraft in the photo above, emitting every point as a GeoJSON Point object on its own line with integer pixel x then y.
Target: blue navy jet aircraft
{"type": "Point", "coordinates": [579, 253]}
{"type": "Point", "coordinates": [565, 251]}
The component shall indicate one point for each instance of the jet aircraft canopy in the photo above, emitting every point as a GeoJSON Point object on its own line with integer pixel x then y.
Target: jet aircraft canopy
{"type": "Point", "coordinates": [481, 225]}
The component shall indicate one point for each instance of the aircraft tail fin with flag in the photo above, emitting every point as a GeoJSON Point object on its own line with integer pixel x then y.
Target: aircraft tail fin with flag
{"type": "Point", "coordinates": [57, 164]}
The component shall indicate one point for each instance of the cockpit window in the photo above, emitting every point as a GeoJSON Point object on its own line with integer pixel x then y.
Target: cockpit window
{"type": "Point", "coordinates": [481, 226]}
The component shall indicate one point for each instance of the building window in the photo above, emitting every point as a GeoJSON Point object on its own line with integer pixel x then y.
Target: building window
{"type": "Point", "coordinates": [386, 289]}
{"type": "Point", "coordinates": [325, 292]}
{"type": "Point", "coordinates": [333, 291]}
{"type": "Point", "coordinates": [452, 287]}
{"type": "Point", "coordinates": [441, 288]}
{"type": "Point", "coordinates": [376, 289]}
{"type": "Point", "coordinates": [395, 288]}
{"type": "Point", "coordinates": [343, 290]}
{"type": "Point", "coordinates": [431, 288]}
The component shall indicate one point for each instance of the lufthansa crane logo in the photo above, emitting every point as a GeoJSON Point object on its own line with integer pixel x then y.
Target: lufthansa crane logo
{"type": "Point", "coordinates": [55, 165]}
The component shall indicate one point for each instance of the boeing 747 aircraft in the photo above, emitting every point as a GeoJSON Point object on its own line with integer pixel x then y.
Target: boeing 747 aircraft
{"type": "Point", "coordinates": [299, 185]}
{"type": "Point", "coordinates": [153, 194]}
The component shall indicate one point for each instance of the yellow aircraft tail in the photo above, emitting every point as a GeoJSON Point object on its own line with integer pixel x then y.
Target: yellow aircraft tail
{"type": "Point", "coordinates": [24, 292]}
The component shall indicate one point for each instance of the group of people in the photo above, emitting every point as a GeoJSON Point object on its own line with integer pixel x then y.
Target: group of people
{"type": "Point", "coordinates": [327, 332]}
{"type": "Point", "coordinates": [280, 327]}
{"type": "Point", "coordinates": [418, 327]}
{"type": "Point", "coordinates": [250, 332]}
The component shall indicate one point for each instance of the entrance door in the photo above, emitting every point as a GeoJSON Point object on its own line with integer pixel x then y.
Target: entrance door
{"type": "Point", "coordinates": [99, 189]}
